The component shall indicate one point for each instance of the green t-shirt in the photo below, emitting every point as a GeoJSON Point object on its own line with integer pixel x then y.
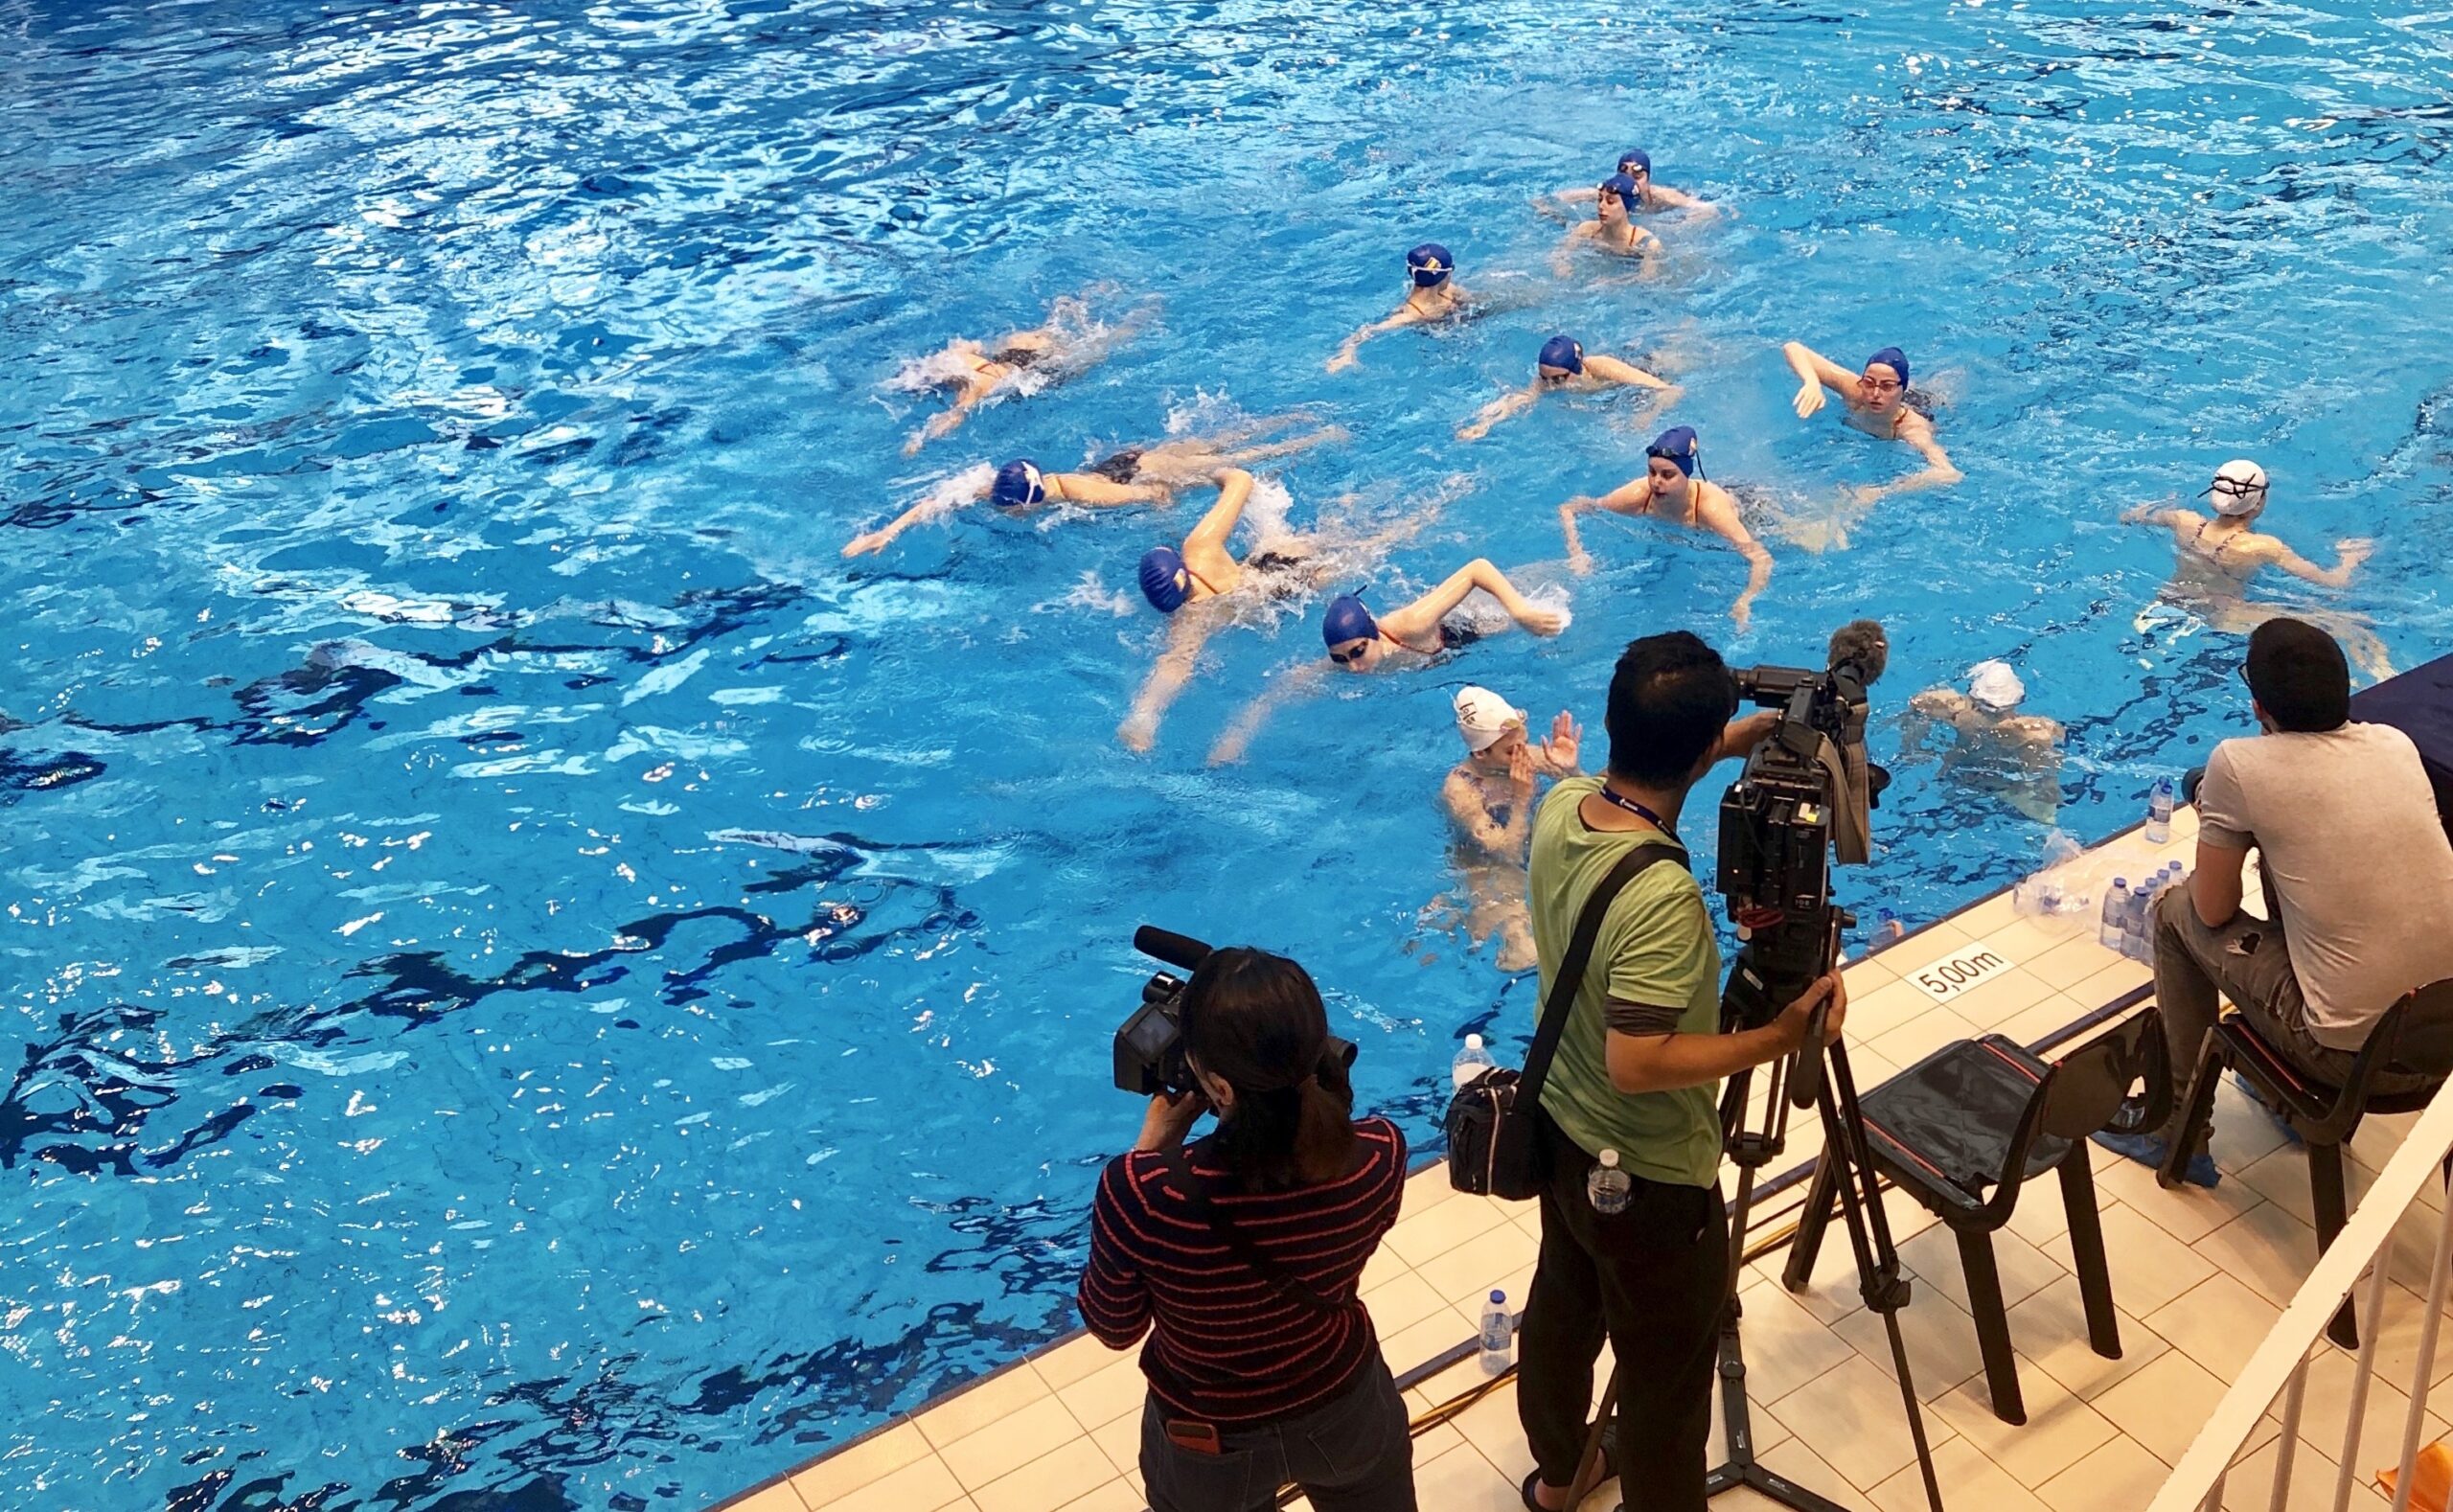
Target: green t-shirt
{"type": "Point", "coordinates": [1655, 951]}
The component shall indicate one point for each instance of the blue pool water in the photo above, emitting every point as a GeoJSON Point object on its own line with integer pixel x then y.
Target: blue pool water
{"type": "Point", "coordinates": [536, 983]}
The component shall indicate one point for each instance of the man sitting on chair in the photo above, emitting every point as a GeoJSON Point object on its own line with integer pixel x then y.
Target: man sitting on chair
{"type": "Point", "coordinates": [2355, 864]}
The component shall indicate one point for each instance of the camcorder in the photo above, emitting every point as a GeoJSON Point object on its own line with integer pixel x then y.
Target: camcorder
{"type": "Point", "coordinates": [1803, 800]}
{"type": "Point", "coordinates": [1150, 1042]}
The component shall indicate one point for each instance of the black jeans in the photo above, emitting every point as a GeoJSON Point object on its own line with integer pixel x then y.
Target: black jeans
{"type": "Point", "coordinates": [1655, 1277]}
{"type": "Point", "coordinates": [1354, 1454]}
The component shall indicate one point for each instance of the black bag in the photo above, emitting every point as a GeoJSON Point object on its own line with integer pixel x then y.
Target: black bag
{"type": "Point", "coordinates": [1494, 1145]}
{"type": "Point", "coordinates": [1240, 1244]}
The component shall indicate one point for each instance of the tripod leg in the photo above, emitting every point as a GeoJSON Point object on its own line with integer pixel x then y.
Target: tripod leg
{"type": "Point", "coordinates": [1591, 1469]}
{"type": "Point", "coordinates": [1808, 1243]}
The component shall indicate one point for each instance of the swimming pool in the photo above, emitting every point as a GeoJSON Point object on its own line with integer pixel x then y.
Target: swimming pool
{"type": "Point", "coordinates": [535, 977]}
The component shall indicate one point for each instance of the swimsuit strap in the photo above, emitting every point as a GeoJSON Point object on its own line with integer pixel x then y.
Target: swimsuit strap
{"type": "Point", "coordinates": [1402, 645]}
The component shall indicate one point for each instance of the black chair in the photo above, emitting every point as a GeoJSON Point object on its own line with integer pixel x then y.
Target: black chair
{"type": "Point", "coordinates": [1986, 1113]}
{"type": "Point", "coordinates": [2415, 1038]}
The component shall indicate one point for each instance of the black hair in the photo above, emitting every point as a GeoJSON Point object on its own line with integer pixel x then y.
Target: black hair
{"type": "Point", "coordinates": [1669, 697]}
{"type": "Point", "coordinates": [2299, 675]}
{"type": "Point", "coordinates": [1255, 1022]}
{"type": "Point", "coordinates": [1863, 642]}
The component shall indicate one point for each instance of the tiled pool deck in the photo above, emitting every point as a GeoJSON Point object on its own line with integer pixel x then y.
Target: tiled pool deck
{"type": "Point", "coordinates": [2198, 1276]}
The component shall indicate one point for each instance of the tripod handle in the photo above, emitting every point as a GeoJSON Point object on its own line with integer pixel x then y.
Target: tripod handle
{"type": "Point", "coordinates": [1806, 1075]}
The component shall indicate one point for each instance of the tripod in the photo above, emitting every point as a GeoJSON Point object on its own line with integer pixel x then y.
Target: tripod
{"type": "Point", "coordinates": [1833, 1090]}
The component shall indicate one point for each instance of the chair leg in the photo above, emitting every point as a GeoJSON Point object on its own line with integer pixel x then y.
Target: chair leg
{"type": "Point", "coordinates": [2197, 1110]}
{"type": "Point", "coordinates": [1808, 1243]}
{"type": "Point", "coordinates": [2325, 1194]}
{"type": "Point", "coordinates": [2087, 1251]}
{"type": "Point", "coordinates": [1992, 1324]}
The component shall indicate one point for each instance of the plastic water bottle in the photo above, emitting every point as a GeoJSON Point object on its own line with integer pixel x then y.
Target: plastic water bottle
{"type": "Point", "coordinates": [2115, 926]}
{"type": "Point", "coordinates": [2134, 937]}
{"type": "Point", "coordinates": [2159, 813]}
{"type": "Point", "coordinates": [1471, 1061]}
{"type": "Point", "coordinates": [1498, 1336]}
{"type": "Point", "coordinates": [1606, 1185]}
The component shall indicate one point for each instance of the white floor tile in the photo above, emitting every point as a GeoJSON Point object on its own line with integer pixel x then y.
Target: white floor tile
{"type": "Point", "coordinates": [1464, 1480]}
{"type": "Point", "coordinates": [2148, 1266]}
{"type": "Point", "coordinates": [1965, 1479]}
{"type": "Point", "coordinates": [1853, 1417]}
{"type": "Point", "coordinates": [2025, 1270]}
{"type": "Point", "coordinates": [2266, 1248]}
{"type": "Point", "coordinates": [2187, 1213]}
{"type": "Point", "coordinates": [2059, 1431]}
{"type": "Point", "coordinates": [2050, 1330]}
{"type": "Point", "coordinates": [2121, 1475]}
{"type": "Point", "coordinates": [2248, 1488]}
{"type": "Point", "coordinates": [2163, 1406]}
{"type": "Point", "coordinates": [2219, 1323]}
{"type": "Point", "coordinates": [1785, 1346]}
{"type": "Point", "coordinates": [1939, 1335]}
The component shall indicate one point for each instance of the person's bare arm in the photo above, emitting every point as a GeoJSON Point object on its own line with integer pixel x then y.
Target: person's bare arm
{"type": "Point", "coordinates": [1719, 517]}
{"type": "Point", "coordinates": [1423, 615]}
{"type": "Point", "coordinates": [2158, 514]}
{"type": "Point", "coordinates": [1579, 562]}
{"type": "Point", "coordinates": [1743, 735]}
{"type": "Point", "coordinates": [1562, 262]}
{"type": "Point", "coordinates": [1815, 373]}
{"type": "Point", "coordinates": [2215, 886]}
{"type": "Point", "coordinates": [1679, 199]}
{"type": "Point", "coordinates": [2353, 552]}
{"type": "Point", "coordinates": [1660, 1063]}
{"type": "Point", "coordinates": [1293, 685]}
{"type": "Point", "coordinates": [1611, 370]}
{"type": "Point", "coordinates": [1405, 315]}
{"type": "Point", "coordinates": [1205, 548]}
{"type": "Point", "coordinates": [1169, 675]}
{"type": "Point", "coordinates": [1514, 402]}
{"type": "Point", "coordinates": [1938, 472]}
{"type": "Point", "coordinates": [884, 536]}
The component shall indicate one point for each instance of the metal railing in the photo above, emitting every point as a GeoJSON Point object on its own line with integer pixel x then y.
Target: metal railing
{"type": "Point", "coordinates": [2279, 1368]}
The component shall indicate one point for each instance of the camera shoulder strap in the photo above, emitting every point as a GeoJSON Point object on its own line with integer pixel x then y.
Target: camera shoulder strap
{"type": "Point", "coordinates": [1571, 976]}
{"type": "Point", "coordinates": [1240, 1244]}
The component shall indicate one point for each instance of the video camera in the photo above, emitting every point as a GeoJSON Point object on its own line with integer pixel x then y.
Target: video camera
{"type": "Point", "coordinates": [1805, 796]}
{"type": "Point", "coordinates": [1150, 1042]}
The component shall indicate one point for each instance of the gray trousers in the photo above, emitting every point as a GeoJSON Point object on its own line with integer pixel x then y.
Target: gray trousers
{"type": "Point", "coordinates": [2248, 961]}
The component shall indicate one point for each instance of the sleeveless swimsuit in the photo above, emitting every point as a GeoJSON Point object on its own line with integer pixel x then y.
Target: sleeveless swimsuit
{"type": "Point", "coordinates": [1122, 467]}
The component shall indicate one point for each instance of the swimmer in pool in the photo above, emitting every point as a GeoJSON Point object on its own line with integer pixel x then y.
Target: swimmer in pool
{"type": "Point", "coordinates": [1674, 489]}
{"type": "Point", "coordinates": [2219, 557]}
{"type": "Point", "coordinates": [1878, 403]}
{"type": "Point", "coordinates": [1414, 636]}
{"type": "Point", "coordinates": [1202, 586]}
{"type": "Point", "coordinates": [1489, 799]}
{"type": "Point", "coordinates": [1613, 228]}
{"type": "Point", "coordinates": [1562, 368]}
{"type": "Point", "coordinates": [1635, 164]}
{"type": "Point", "coordinates": [1070, 342]}
{"type": "Point", "coordinates": [1434, 296]}
{"type": "Point", "coordinates": [1151, 474]}
{"type": "Point", "coordinates": [1994, 748]}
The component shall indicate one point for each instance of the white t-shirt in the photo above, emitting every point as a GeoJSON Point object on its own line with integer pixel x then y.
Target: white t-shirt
{"type": "Point", "coordinates": [2356, 863]}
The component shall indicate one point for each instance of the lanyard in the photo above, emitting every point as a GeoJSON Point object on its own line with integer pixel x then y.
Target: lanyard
{"type": "Point", "coordinates": [1638, 810]}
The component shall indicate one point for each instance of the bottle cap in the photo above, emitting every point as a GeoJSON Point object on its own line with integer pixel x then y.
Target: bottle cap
{"type": "Point", "coordinates": [1498, 1296]}
{"type": "Point", "coordinates": [2120, 881]}
{"type": "Point", "coordinates": [1473, 1041]}
{"type": "Point", "coordinates": [1610, 1158]}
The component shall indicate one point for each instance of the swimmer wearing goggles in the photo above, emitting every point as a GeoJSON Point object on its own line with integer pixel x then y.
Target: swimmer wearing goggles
{"type": "Point", "coordinates": [2219, 556]}
{"type": "Point", "coordinates": [1019, 485]}
{"type": "Point", "coordinates": [1877, 401]}
{"type": "Point", "coordinates": [1564, 367]}
{"type": "Point", "coordinates": [1433, 294]}
{"type": "Point", "coordinates": [1673, 488]}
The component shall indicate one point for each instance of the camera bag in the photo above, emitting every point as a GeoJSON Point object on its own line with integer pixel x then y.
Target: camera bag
{"type": "Point", "coordinates": [1494, 1146]}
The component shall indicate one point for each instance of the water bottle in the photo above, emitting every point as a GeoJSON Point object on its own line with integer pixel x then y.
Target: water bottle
{"type": "Point", "coordinates": [1606, 1185]}
{"type": "Point", "coordinates": [1498, 1336]}
{"type": "Point", "coordinates": [1888, 928]}
{"type": "Point", "coordinates": [1471, 1061]}
{"type": "Point", "coordinates": [2159, 813]}
{"type": "Point", "coordinates": [2115, 926]}
{"type": "Point", "coordinates": [2134, 937]}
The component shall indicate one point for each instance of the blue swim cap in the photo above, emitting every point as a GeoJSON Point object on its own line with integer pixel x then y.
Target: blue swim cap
{"type": "Point", "coordinates": [1678, 445]}
{"type": "Point", "coordinates": [1562, 352]}
{"type": "Point", "coordinates": [1165, 581]}
{"type": "Point", "coordinates": [1017, 484]}
{"type": "Point", "coordinates": [1620, 185]}
{"type": "Point", "coordinates": [1347, 620]}
{"type": "Point", "coordinates": [1892, 358]}
{"type": "Point", "coordinates": [1635, 160]}
{"type": "Point", "coordinates": [1431, 265]}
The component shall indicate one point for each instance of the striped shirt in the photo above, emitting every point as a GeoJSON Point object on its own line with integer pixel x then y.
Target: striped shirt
{"type": "Point", "coordinates": [1228, 1346]}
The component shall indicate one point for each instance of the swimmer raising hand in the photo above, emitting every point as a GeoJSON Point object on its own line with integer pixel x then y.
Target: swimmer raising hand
{"type": "Point", "coordinates": [1434, 296]}
{"type": "Point", "coordinates": [1564, 368]}
{"type": "Point", "coordinates": [1673, 489]}
{"type": "Point", "coordinates": [1877, 401]}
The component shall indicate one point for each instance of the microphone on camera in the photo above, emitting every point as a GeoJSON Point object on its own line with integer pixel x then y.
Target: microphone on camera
{"type": "Point", "coordinates": [1166, 945]}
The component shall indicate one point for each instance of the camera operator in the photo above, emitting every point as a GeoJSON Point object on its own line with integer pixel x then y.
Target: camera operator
{"type": "Point", "coordinates": [1637, 1071]}
{"type": "Point", "coordinates": [1263, 1365]}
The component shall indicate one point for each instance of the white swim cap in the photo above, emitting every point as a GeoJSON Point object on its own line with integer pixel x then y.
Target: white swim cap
{"type": "Point", "coordinates": [1993, 684]}
{"type": "Point", "coordinates": [1483, 717]}
{"type": "Point", "coordinates": [2238, 488]}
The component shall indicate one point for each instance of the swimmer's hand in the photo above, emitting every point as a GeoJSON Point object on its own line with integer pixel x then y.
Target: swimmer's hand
{"type": "Point", "coordinates": [1543, 622]}
{"type": "Point", "coordinates": [1809, 397]}
{"type": "Point", "coordinates": [1743, 614]}
{"type": "Point", "coordinates": [2356, 550]}
{"type": "Point", "coordinates": [864, 545]}
{"type": "Point", "coordinates": [1343, 360]}
{"type": "Point", "coordinates": [919, 439]}
{"type": "Point", "coordinates": [1474, 432]}
{"type": "Point", "coordinates": [1866, 494]}
{"type": "Point", "coordinates": [1136, 735]}
{"type": "Point", "coordinates": [1564, 750]}
{"type": "Point", "coordinates": [1580, 562]}
{"type": "Point", "coordinates": [1520, 773]}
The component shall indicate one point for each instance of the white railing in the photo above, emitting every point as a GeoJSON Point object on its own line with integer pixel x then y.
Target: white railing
{"type": "Point", "coordinates": [2279, 1368]}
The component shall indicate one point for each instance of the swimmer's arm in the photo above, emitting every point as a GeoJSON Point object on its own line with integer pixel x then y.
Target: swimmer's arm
{"type": "Point", "coordinates": [944, 422]}
{"type": "Point", "coordinates": [1405, 315]}
{"type": "Point", "coordinates": [1234, 491]}
{"type": "Point", "coordinates": [1679, 199]}
{"type": "Point", "coordinates": [1815, 373]}
{"type": "Point", "coordinates": [884, 536]}
{"type": "Point", "coordinates": [1940, 472]}
{"type": "Point", "coordinates": [1466, 807]}
{"type": "Point", "coordinates": [1498, 409]}
{"type": "Point", "coordinates": [2353, 553]}
{"type": "Point", "coordinates": [2155, 514]}
{"type": "Point", "coordinates": [1423, 615]}
{"type": "Point", "coordinates": [1577, 559]}
{"type": "Point", "coordinates": [1167, 679]}
{"type": "Point", "coordinates": [1288, 686]}
{"type": "Point", "coordinates": [1561, 265]}
{"type": "Point", "coordinates": [1610, 370]}
{"type": "Point", "coordinates": [1722, 520]}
